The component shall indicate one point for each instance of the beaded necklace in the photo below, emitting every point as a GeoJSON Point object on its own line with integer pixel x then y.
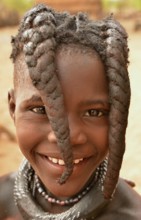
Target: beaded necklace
{"type": "Point", "coordinates": [68, 201]}
{"type": "Point", "coordinates": [29, 209]}
{"type": "Point", "coordinates": [98, 176]}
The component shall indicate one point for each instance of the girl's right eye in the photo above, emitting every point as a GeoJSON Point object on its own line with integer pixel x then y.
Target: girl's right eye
{"type": "Point", "coordinates": [39, 110]}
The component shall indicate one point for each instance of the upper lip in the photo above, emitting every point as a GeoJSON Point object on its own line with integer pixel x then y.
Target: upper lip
{"type": "Point", "coordinates": [59, 157]}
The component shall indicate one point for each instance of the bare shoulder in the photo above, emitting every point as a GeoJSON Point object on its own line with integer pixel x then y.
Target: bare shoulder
{"type": "Point", "coordinates": [6, 187]}
{"type": "Point", "coordinates": [128, 196]}
{"type": "Point", "coordinates": [8, 210]}
{"type": "Point", "coordinates": [126, 204]}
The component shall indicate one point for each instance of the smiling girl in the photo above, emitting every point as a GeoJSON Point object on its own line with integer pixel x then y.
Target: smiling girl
{"type": "Point", "coordinates": [70, 107]}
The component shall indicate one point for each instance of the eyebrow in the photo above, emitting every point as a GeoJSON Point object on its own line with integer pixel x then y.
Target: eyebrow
{"type": "Point", "coordinates": [34, 98]}
{"type": "Point", "coordinates": [103, 102]}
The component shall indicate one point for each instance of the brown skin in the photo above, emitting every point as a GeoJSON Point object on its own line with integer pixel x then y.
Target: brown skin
{"type": "Point", "coordinates": [41, 31]}
{"type": "Point", "coordinates": [89, 135]}
{"type": "Point", "coordinates": [87, 108]}
{"type": "Point", "coordinates": [8, 210]}
{"type": "Point", "coordinates": [122, 205]}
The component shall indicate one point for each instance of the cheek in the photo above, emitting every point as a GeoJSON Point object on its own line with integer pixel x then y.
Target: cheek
{"type": "Point", "coordinates": [25, 139]}
{"type": "Point", "coordinates": [100, 137]}
{"type": "Point", "coordinates": [103, 136]}
{"type": "Point", "coordinates": [29, 137]}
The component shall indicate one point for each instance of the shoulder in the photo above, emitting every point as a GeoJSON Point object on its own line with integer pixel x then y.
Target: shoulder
{"type": "Point", "coordinates": [6, 186]}
{"type": "Point", "coordinates": [7, 205]}
{"type": "Point", "coordinates": [128, 196]}
{"type": "Point", "coordinates": [126, 204]}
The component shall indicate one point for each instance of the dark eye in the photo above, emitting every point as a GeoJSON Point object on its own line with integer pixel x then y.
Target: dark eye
{"type": "Point", "coordinates": [39, 110]}
{"type": "Point", "coordinates": [95, 113]}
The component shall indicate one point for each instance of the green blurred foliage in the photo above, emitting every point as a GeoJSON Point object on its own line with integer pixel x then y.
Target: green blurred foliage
{"type": "Point", "coordinates": [18, 5]}
{"type": "Point", "coordinates": [120, 4]}
{"type": "Point", "coordinates": [136, 4]}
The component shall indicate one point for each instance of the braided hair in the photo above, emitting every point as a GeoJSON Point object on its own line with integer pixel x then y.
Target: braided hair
{"type": "Point", "coordinates": [41, 32]}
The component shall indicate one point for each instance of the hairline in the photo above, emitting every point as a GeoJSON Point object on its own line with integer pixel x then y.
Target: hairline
{"type": "Point", "coordinates": [60, 49]}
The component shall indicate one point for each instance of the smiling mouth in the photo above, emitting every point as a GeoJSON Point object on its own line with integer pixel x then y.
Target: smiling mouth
{"type": "Point", "coordinates": [60, 161]}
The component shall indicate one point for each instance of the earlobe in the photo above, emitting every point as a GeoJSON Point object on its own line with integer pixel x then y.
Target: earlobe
{"type": "Point", "coordinates": [11, 103]}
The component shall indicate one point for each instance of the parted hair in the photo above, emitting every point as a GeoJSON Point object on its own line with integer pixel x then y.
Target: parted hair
{"type": "Point", "coordinates": [41, 32]}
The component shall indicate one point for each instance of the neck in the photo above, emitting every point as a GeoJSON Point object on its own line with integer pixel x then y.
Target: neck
{"type": "Point", "coordinates": [48, 206]}
{"type": "Point", "coordinates": [24, 196]}
{"type": "Point", "coordinates": [54, 205]}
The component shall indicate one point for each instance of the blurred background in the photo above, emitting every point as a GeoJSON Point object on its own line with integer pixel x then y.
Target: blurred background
{"type": "Point", "coordinates": [128, 12]}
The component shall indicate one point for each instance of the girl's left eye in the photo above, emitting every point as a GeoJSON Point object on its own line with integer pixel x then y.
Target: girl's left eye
{"type": "Point", "coordinates": [95, 113]}
{"type": "Point", "coordinates": [39, 110]}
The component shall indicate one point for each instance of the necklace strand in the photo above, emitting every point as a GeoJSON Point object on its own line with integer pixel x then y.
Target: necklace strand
{"type": "Point", "coordinates": [69, 201]}
{"type": "Point", "coordinates": [99, 176]}
{"type": "Point", "coordinates": [24, 197]}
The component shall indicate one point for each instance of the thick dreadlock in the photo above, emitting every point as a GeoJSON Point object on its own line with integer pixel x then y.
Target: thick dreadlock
{"type": "Point", "coordinates": [41, 32]}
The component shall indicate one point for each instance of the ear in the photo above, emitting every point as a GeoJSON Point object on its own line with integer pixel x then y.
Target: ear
{"type": "Point", "coordinates": [11, 103]}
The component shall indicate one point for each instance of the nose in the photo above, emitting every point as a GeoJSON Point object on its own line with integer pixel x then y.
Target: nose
{"type": "Point", "coordinates": [77, 132]}
{"type": "Point", "coordinates": [52, 137]}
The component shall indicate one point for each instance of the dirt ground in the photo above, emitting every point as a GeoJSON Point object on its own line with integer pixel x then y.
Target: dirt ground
{"type": "Point", "coordinates": [10, 156]}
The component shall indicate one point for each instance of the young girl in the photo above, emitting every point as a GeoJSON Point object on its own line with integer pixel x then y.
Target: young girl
{"type": "Point", "coordinates": [70, 107]}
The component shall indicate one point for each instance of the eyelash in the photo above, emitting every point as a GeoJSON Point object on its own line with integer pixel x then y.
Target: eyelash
{"type": "Point", "coordinates": [96, 113]}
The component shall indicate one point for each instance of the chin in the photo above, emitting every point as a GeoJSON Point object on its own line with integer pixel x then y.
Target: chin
{"type": "Point", "coordinates": [66, 190]}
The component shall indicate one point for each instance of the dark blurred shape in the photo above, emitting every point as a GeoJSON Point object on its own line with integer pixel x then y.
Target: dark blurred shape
{"type": "Point", "coordinates": [137, 26]}
{"type": "Point", "coordinates": [8, 17]}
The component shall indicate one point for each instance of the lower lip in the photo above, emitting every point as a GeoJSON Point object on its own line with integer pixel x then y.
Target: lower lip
{"type": "Point", "coordinates": [58, 169]}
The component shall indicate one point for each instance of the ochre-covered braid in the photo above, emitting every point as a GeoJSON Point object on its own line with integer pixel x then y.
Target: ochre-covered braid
{"type": "Point", "coordinates": [119, 93]}
{"type": "Point", "coordinates": [41, 33]}
{"type": "Point", "coordinates": [38, 29]}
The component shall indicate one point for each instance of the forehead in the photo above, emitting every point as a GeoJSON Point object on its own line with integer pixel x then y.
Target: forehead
{"type": "Point", "coordinates": [77, 49]}
{"type": "Point", "coordinates": [73, 62]}
{"type": "Point", "coordinates": [78, 59]}
{"type": "Point", "coordinates": [81, 71]}
{"type": "Point", "coordinates": [22, 82]}
{"type": "Point", "coordinates": [21, 72]}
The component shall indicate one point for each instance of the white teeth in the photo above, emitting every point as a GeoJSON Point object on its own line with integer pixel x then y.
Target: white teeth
{"type": "Point", "coordinates": [78, 160]}
{"type": "Point", "coordinates": [61, 162]}
{"type": "Point", "coordinates": [54, 160]}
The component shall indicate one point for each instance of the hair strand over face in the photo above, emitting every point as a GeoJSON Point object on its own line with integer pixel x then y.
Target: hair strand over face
{"type": "Point", "coordinates": [41, 32]}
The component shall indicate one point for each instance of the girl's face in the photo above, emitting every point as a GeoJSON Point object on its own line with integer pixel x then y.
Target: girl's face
{"type": "Point", "coordinates": [85, 90]}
